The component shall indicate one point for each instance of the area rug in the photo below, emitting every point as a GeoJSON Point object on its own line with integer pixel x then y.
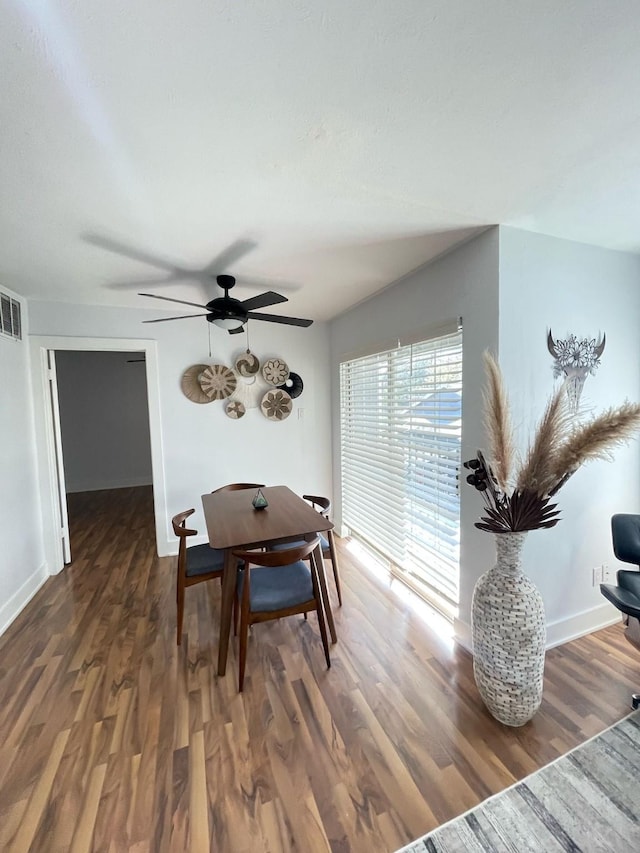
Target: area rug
{"type": "Point", "coordinates": [587, 800]}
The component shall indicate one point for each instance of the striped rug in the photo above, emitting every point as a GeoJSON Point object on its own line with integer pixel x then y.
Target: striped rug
{"type": "Point", "coordinates": [587, 800]}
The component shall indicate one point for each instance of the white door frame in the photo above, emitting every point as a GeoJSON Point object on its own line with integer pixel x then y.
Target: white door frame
{"type": "Point", "coordinates": [61, 490]}
{"type": "Point", "coordinates": [45, 443]}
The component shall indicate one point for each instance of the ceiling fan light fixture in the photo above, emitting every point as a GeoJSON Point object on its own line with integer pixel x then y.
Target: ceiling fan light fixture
{"type": "Point", "coordinates": [228, 323]}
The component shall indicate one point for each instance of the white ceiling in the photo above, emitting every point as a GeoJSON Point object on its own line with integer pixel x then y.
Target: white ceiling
{"type": "Point", "coordinates": [347, 143]}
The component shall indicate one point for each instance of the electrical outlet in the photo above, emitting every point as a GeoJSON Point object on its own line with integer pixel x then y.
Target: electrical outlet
{"type": "Point", "coordinates": [596, 575]}
{"type": "Point", "coordinates": [606, 573]}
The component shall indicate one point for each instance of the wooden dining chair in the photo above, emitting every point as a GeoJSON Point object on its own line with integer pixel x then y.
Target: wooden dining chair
{"type": "Point", "coordinates": [233, 487]}
{"type": "Point", "coordinates": [275, 584]}
{"type": "Point", "coordinates": [195, 565]}
{"type": "Point", "coordinates": [327, 542]}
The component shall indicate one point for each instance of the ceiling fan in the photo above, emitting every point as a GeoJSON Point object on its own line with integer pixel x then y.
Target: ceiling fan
{"type": "Point", "coordinates": [229, 313]}
{"type": "Point", "coordinates": [224, 311]}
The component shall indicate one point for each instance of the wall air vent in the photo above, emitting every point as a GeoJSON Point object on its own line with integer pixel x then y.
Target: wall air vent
{"type": "Point", "coordinates": [10, 317]}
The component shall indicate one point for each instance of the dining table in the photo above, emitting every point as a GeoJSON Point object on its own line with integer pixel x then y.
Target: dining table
{"type": "Point", "coordinates": [234, 524]}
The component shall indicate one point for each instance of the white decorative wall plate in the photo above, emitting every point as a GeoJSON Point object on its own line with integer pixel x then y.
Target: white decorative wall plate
{"type": "Point", "coordinates": [250, 392]}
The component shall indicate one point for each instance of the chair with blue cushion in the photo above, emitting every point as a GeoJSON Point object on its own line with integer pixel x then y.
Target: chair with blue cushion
{"type": "Point", "coordinates": [195, 565]}
{"type": "Point", "coordinates": [274, 584]}
{"type": "Point", "coordinates": [327, 542]}
{"type": "Point", "coordinates": [625, 532]}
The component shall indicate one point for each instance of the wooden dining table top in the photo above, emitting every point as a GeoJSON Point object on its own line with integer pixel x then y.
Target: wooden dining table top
{"type": "Point", "coordinates": [232, 521]}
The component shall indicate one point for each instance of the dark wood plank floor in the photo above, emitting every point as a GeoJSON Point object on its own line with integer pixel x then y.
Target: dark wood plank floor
{"type": "Point", "coordinates": [113, 739]}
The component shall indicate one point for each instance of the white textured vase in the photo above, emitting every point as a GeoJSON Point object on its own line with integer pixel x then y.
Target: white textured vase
{"type": "Point", "coordinates": [507, 617]}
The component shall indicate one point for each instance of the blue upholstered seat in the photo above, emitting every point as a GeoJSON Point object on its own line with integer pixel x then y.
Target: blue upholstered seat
{"type": "Point", "coordinates": [195, 565]}
{"type": "Point", "coordinates": [281, 546]}
{"type": "Point", "coordinates": [323, 506]}
{"type": "Point", "coordinates": [278, 588]}
{"type": "Point", "coordinates": [274, 584]}
{"type": "Point", "coordinates": [202, 559]}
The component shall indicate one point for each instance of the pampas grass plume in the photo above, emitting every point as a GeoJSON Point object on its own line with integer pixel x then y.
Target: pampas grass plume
{"type": "Point", "coordinates": [497, 421]}
{"type": "Point", "coordinates": [595, 439]}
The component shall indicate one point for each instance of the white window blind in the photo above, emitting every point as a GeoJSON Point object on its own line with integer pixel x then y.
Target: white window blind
{"type": "Point", "coordinates": [400, 415]}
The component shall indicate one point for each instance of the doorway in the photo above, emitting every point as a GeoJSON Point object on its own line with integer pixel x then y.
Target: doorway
{"type": "Point", "coordinates": [48, 444]}
{"type": "Point", "coordinates": [104, 430]}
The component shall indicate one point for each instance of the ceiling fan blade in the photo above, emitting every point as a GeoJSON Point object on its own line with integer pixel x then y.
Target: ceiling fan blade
{"type": "Point", "coordinates": [130, 252]}
{"type": "Point", "coordinates": [275, 318]}
{"type": "Point", "coordinates": [257, 283]}
{"type": "Point", "coordinates": [182, 317]}
{"type": "Point", "coordinates": [237, 331]}
{"type": "Point", "coordinates": [169, 299]}
{"type": "Point", "coordinates": [264, 299]}
{"type": "Point", "coordinates": [229, 256]}
{"type": "Point", "coordinates": [153, 282]}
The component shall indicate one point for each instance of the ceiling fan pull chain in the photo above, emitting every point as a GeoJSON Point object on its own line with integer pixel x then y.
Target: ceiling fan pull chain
{"type": "Point", "coordinates": [209, 329]}
{"type": "Point", "coordinates": [246, 328]}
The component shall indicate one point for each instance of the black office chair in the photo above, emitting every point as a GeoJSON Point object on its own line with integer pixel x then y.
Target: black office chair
{"type": "Point", "coordinates": [625, 532]}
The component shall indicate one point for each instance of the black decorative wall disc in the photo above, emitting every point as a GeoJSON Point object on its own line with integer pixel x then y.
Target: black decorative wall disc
{"type": "Point", "coordinates": [293, 385]}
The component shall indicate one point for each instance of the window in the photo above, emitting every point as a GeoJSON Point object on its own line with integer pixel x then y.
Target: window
{"type": "Point", "coordinates": [401, 418]}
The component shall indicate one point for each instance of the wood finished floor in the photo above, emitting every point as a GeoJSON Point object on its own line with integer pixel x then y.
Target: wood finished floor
{"type": "Point", "coordinates": [114, 739]}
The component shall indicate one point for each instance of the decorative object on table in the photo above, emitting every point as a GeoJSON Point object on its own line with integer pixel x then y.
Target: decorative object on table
{"type": "Point", "coordinates": [507, 612]}
{"type": "Point", "coordinates": [276, 405]}
{"type": "Point", "coordinates": [247, 364]}
{"type": "Point", "coordinates": [575, 358]}
{"type": "Point", "coordinates": [275, 371]}
{"type": "Point", "coordinates": [293, 385]}
{"type": "Point", "coordinates": [190, 384]}
{"type": "Point", "coordinates": [259, 501]}
{"type": "Point", "coordinates": [218, 381]}
{"type": "Point", "coordinates": [234, 409]}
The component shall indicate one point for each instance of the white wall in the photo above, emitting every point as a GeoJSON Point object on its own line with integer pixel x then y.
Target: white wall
{"type": "Point", "coordinates": [104, 420]}
{"type": "Point", "coordinates": [202, 447]}
{"type": "Point", "coordinates": [463, 283]}
{"type": "Point", "coordinates": [22, 567]}
{"type": "Point", "coordinates": [571, 287]}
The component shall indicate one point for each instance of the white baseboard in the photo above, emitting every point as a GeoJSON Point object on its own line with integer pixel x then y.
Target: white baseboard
{"type": "Point", "coordinates": [18, 601]}
{"type": "Point", "coordinates": [116, 484]}
{"type": "Point", "coordinates": [558, 632]}
{"type": "Point", "coordinates": [462, 634]}
{"type": "Point", "coordinates": [564, 630]}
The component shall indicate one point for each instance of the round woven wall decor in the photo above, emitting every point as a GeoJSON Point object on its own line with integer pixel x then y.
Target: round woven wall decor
{"type": "Point", "coordinates": [275, 371]}
{"type": "Point", "coordinates": [235, 410]}
{"type": "Point", "coordinates": [218, 381]}
{"type": "Point", "coordinates": [190, 384]}
{"type": "Point", "coordinates": [247, 364]}
{"type": "Point", "coordinates": [276, 405]}
{"type": "Point", "coordinates": [293, 385]}
{"type": "Point", "coordinates": [250, 392]}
